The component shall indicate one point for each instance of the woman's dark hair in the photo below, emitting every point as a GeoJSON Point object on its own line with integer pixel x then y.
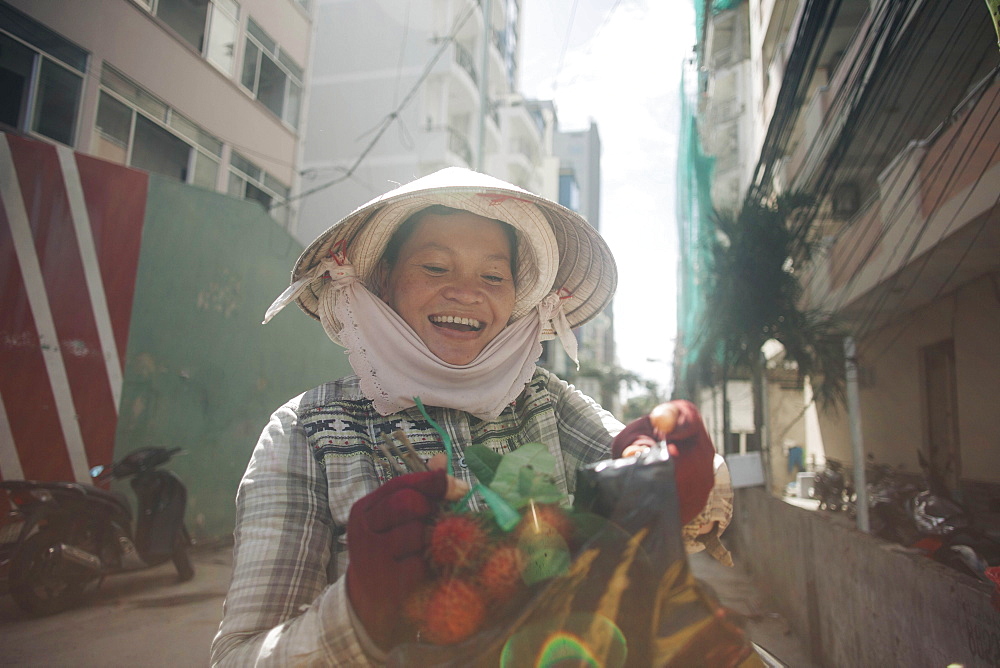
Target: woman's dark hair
{"type": "Point", "coordinates": [405, 230]}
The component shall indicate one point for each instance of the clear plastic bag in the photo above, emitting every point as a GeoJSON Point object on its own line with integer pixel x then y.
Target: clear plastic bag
{"type": "Point", "coordinates": [627, 599]}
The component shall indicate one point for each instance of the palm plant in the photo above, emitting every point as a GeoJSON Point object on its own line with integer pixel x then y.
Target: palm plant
{"type": "Point", "coordinates": [754, 295]}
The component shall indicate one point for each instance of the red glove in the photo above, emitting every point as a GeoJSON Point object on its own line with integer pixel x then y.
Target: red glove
{"type": "Point", "coordinates": [386, 533]}
{"type": "Point", "coordinates": [689, 445]}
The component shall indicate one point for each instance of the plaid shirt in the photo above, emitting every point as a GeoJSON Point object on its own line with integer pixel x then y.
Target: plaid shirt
{"type": "Point", "coordinates": [287, 602]}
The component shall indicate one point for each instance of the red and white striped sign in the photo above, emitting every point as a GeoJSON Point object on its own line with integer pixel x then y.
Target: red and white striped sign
{"type": "Point", "coordinates": [70, 234]}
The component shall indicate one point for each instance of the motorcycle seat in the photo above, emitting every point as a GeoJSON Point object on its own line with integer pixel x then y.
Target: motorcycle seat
{"type": "Point", "coordinates": [110, 496]}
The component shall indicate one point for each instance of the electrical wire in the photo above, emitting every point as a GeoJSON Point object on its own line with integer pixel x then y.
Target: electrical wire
{"type": "Point", "coordinates": [892, 217]}
{"type": "Point", "coordinates": [891, 64]}
{"type": "Point", "coordinates": [969, 149]}
{"type": "Point", "coordinates": [565, 46]}
{"type": "Point", "coordinates": [589, 44]}
{"type": "Point", "coordinates": [986, 219]}
{"type": "Point", "coordinates": [901, 206]}
{"type": "Point", "coordinates": [817, 21]}
{"type": "Point", "coordinates": [388, 118]}
{"type": "Point", "coordinates": [864, 98]}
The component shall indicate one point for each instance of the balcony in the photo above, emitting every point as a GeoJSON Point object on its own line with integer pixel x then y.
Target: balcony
{"type": "Point", "coordinates": [932, 226]}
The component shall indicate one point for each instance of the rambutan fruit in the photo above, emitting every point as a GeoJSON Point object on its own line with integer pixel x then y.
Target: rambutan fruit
{"type": "Point", "coordinates": [545, 519]}
{"type": "Point", "coordinates": [501, 574]}
{"type": "Point", "coordinates": [454, 610]}
{"type": "Point", "coordinates": [457, 542]}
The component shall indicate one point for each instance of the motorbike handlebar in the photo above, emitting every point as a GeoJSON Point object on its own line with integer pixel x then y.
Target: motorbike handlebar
{"type": "Point", "coordinates": [143, 459]}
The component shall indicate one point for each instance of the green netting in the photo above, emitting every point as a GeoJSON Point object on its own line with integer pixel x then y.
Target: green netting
{"type": "Point", "coordinates": [694, 205]}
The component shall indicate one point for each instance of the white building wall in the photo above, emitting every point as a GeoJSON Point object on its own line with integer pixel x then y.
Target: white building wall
{"type": "Point", "coordinates": [129, 38]}
{"type": "Point", "coordinates": [392, 99]}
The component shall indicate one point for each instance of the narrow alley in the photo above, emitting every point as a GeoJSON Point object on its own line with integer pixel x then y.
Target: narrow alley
{"type": "Point", "coordinates": [147, 619]}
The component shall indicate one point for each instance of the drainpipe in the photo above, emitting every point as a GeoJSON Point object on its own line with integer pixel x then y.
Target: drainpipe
{"type": "Point", "coordinates": [765, 422]}
{"type": "Point", "coordinates": [857, 442]}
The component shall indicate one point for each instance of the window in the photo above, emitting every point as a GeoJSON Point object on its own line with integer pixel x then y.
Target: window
{"type": "Point", "coordinates": [248, 181]}
{"type": "Point", "coordinates": [221, 48]}
{"type": "Point", "coordinates": [137, 129]}
{"type": "Point", "coordinates": [41, 78]}
{"type": "Point", "coordinates": [271, 76]}
{"type": "Point", "coordinates": [210, 26]}
{"type": "Point", "coordinates": [158, 151]}
{"type": "Point", "coordinates": [188, 19]}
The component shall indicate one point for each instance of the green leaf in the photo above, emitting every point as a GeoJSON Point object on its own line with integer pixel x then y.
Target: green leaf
{"type": "Point", "coordinates": [546, 557]}
{"type": "Point", "coordinates": [525, 474]}
{"type": "Point", "coordinates": [526, 480]}
{"type": "Point", "coordinates": [483, 462]}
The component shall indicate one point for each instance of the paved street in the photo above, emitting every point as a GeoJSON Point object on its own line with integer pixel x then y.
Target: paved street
{"type": "Point", "coordinates": [138, 619]}
{"type": "Point", "coordinates": [767, 628]}
{"type": "Point", "coordinates": [147, 619]}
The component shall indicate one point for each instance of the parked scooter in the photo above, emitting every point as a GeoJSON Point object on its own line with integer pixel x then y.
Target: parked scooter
{"type": "Point", "coordinates": [889, 493]}
{"type": "Point", "coordinates": [929, 519]}
{"type": "Point", "coordinates": [74, 534]}
{"type": "Point", "coordinates": [830, 487]}
{"type": "Point", "coordinates": [950, 534]}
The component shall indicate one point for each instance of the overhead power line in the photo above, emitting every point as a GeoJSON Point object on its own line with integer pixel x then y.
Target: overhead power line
{"type": "Point", "coordinates": [386, 122]}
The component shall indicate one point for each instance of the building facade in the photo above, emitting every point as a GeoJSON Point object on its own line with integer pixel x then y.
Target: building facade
{"type": "Point", "coordinates": [207, 93]}
{"type": "Point", "coordinates": [400, 89]}
{"type": "Point", "coordinates": [143, 146]}
{"type": "Point", "coordinates": [886, 113]}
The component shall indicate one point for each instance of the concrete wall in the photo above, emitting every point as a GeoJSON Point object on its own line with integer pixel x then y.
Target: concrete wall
{"type": "Point", "coordinates": [786, 422]}
{"type": "Point", "coordinates": [201, 371]}
{"type": "Point", "coordinates": [857, 600]}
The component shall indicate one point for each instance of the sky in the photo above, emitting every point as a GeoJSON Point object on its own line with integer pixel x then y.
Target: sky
{"type": "Point", "coordinates": [618, 62]}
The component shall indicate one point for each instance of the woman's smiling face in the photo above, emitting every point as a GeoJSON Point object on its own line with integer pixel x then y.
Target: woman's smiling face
{"type": "Point", "coordinates": [452, 283]}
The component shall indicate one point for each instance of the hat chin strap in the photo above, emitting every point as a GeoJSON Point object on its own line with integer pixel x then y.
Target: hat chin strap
{"type": "Point", "coordinates": [337, 268]}
{"type": "Point", "coordinates": [556, 325]}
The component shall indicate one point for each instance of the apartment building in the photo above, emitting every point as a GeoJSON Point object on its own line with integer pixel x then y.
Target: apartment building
{"type": "Point", "coordinates": [399, 89]}
{"type": "Point", "coordinates": [579, 154]}
{"type": "Point", "coordinates": [208, 93]}
{"type": "Point", "coordinates": [143, 147]}
{"type": "Point", "coordinates": [888, 114]}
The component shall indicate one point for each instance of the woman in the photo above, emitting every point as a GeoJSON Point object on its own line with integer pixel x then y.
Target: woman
{"type": "Point", "coordinates": [441, 291]}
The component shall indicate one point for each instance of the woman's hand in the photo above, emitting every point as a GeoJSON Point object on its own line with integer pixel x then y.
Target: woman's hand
{"type": "Point", "coordinates": [679, 424]}
{"type": "Point", "coordinates": [386, 533]}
